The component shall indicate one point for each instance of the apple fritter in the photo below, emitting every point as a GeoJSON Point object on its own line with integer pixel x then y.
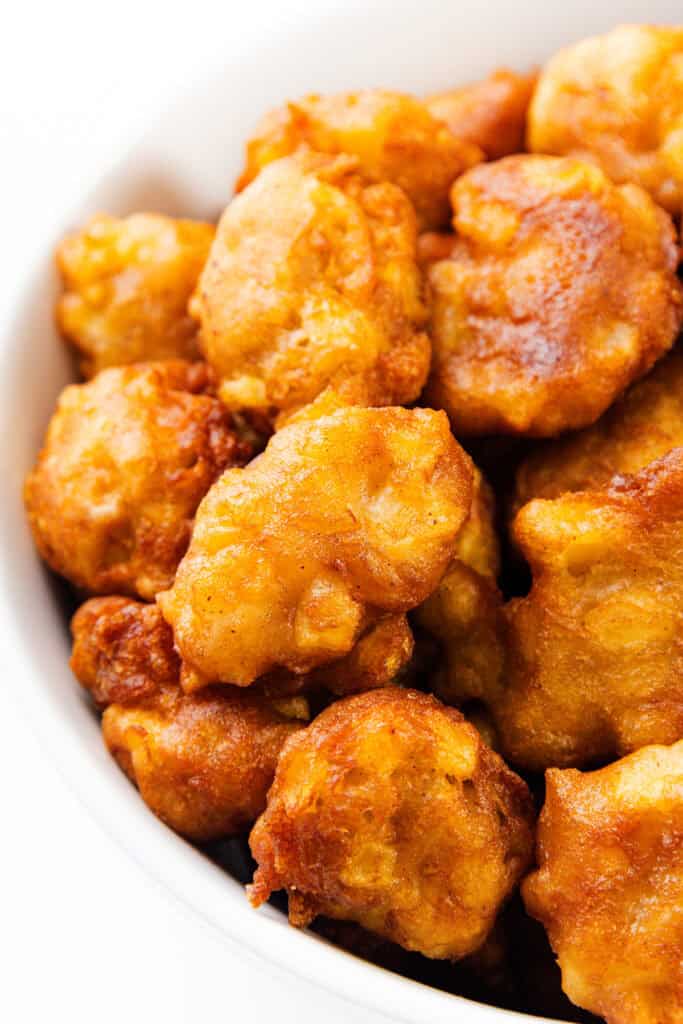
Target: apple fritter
{"type": "Point", "coordinates": [643, 426]}
{"type": "Point", "coordinates": [617, 99]}
{"type": "Point", "coordinates": [313, 283]}
{"type": "Point", "coordinates": [595, 651]}
{"type": "Point", "coordinates": [342, 520]}
{"type": "Point", "coordinates": [560, 291]}
{"type": "Point", "coordinates": [465, 611]}
{"type": "Point", "coordinates": [390, 811]}
{"type": "Point", "coordinates": [609, 886]}
{"type": "Point", "coordinates": [127, 282]}
{"type": "Point", "coordinates": [203, 762]}
{"type": "Point", "coordinates": [394, 137]}
{"type": "Point", "coordinates": [490, 114]}
{"type": "Point", "coordinates": [127, 458]}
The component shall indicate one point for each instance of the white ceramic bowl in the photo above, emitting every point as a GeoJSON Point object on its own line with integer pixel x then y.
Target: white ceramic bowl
{"type": "Point", "coordinates": [186, 166]}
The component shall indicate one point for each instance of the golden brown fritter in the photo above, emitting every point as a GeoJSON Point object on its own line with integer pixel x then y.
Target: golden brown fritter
{"type": "Point", "coordinates": [127, 283]}
{"type": "Point", "coordinates": [313, 283]}
{"type": "Point", "coordinates": [122, 650]}
{"type": "Point", "coordinates": [644, 425]}
{"type": "Point", "coordinates": [126, 460]}
{"type": "Point", "coordinates": [561, 290]}
{"type": "Point", "coordinates": [465, 611]}
{"type": "Point", "coordinates": [617, 99]}
{"type": "Point", "coordinates": [609, 888]}
{"type": "Point", "coordinates": [202, 762]}
{"type": "Point", "coordinates": [390, 811]}
{"type": "Point", "coordinates": [341, 520]}
{"type": "Point", "coordinates": [377, 659]}
{"type": "Point", "coordinates": [490, 114]}
{"type": "Point", "coordinates": [394, 137]}
{"type": "Point", "coordinates": [595, 664]}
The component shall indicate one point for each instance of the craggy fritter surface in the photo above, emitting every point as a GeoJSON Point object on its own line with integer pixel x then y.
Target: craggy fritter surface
{"type": "Point", "coordinates": [609, 888]}
{"type": "Point", "coordinates": [595, 664]}
{"type": "Point", "coordinates": [202, 762]}
{"type": "Point", "coordinates": [312, 283]}
{"type": "Point", "coordinates": [122, 650]}
{"type": "Point", "coordinates": [490, 114]}
{"type": "Point", "coordinates": [643, 426]}
{"type": "Point", "coordinates": [376, 659]}
{"type": "Point", "coordinates": [340, 521]}
{"type": "Point", "coordinates": [127, 283]}
{"type": "Point", "coordinates": [394, 137]}
{"type": "Point", "coordinates": [617, 99]}
{"type": "Point", "coordinates": [560, 291]}
{"type": "Point", "coordinates": [390, 811]}
{"type": "Point", "coordinates": [126, 460]}
{"type": "Point", "coordinates": [465, 611]}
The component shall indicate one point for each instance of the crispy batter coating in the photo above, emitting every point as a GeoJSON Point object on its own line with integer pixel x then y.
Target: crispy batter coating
{"type": "Point", "coordinates": [390, 811]}
{"type": "Point", "coordinates": [596, 649]}
{"type": "Point", "coordinates": [609, 888]}
{"type": "Point", "coordinates": [313, 283]}
{"type": "Point", "coordinates": [376, 659]}
{"type": "Point", "coordinates": [465, 611]}
{"type": "Point", "coordinates": [340, 521]}
{"type": "Point", "coordinates": [394, 137]}
{"type": "Point", "coordinates": [490, 114]}
{"type": "Point", "coordinates": [617, 99]}
{"type": "Point", "coordinates": [127, 458]}
{"type": "Point", "coordinates": [127, 283]}
{"type": "Point", "coordinates": [560, 292]}
{"type": "Point", "coordinates": [644, 425]}
{"type": "Point", "coordinates": [202, 762]}
{"type": "Point", "coordinates": [122, 650]}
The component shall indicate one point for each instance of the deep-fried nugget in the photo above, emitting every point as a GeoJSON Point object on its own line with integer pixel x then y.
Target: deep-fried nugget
{"type": "Point", "coordinates": [644, 425]}
{"type": "Point", "coordinates": [313, 283]}
{"type": "Point", "coordinates": [595, 666]}
{"type": "Point", "coordinates": [126, 460]}
{"type": "Point", "coordinates": [377, 659]}
{"type": "Point", "coordinates": [122, 650]}
{"type": "Point", "coordinates": [465, 611]}
{"type": "Point", "coordinates": [127, 283]}
{"type": "Point", "coordinates": [609, 888]}
{"type": "Point", "coordinates": [202, 762]}
{"type": "Point", "coordinates": [394, 137]}
{"type": "Point", "coordinates": [617, 99]}
{"type": "Point", "coordinates": [561, 290]}
{"type": "Point", "coordinates": [340, 521]}
{"type": "Point", "coordinates": [490, 114]}
{"type": "Point", "coordinates": [389, 810]}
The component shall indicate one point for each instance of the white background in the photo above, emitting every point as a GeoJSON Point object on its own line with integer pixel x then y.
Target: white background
{"type": "Point", "coordinates": [84, 934]}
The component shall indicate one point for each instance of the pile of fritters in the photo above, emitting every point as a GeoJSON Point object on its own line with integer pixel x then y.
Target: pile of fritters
{"type": "Point", "coordinates": [305, 611]}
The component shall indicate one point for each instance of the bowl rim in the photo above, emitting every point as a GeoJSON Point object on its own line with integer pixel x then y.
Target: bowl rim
{"type": "Point", "coordinates": [192, 879]}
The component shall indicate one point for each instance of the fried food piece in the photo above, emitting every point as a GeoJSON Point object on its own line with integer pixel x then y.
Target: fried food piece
{"type": "Point", "coordinates": [490, 114]}
{"type": "Point", "coordinates": [643, 426]}
{"type": "Point", "coordinates": [376, 660]}
{"type": "Point", "coordinates": [312, 283]}
{"type": "Point", "coordinates": [126, 461]}
{"type": "Point", "coordinates": [609, 888]}
{"type": "Point", "coordinates": [465, 611]}
{"type": "Point", "coordinates": [203, 762]}
{"type": "Point", "coordinates": [390, 811]}
{"type": "Point", "coordinates": [596, 649]}
{"type": "Point", "coordinates": [562, 290]}
{"type": "Point", "coordinates": [127, 283]}
{"type": "Point", "coordinates": [617, 99]}
{"type": "Point", "coordinates": [341, 520]}
{"type": "Point", "coordinates": [122, 650]}
{"type": "Point", "coordinates": [394, 137]}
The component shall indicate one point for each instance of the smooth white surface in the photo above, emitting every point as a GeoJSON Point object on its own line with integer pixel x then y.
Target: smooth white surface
{"type": "Point", "coordinates": [87, 935]}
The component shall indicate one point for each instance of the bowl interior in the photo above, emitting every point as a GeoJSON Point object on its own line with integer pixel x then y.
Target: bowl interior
{"type": "Point", "coordinates": [186, 165]}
